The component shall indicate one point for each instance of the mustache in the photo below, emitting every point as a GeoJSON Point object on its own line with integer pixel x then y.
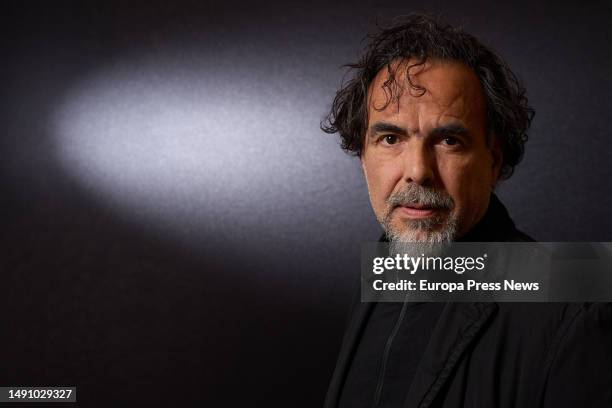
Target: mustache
{"type": "Point", "coordinates": [425, 196]}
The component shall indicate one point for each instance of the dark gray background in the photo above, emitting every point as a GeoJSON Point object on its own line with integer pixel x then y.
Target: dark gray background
{"type": "Point", "coordinates": [175, 227]}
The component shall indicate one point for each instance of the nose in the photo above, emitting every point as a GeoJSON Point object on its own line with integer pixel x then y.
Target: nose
{"type": "Point", "coordinates": [419, 164]}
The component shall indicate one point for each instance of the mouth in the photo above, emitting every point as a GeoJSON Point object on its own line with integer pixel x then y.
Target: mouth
{"type": "Point", "coordinates": [416, 211]}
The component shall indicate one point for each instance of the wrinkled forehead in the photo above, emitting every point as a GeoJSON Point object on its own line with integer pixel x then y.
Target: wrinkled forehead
{"type": "Point", "coordinates": [449, 85]}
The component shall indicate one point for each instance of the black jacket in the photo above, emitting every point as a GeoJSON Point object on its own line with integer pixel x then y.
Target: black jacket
{"type": "Point", "coordinates": [503, 354]}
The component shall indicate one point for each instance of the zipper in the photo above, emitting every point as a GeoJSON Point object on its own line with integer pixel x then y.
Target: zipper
{"type": "Point", "coordinates": [387, 350]}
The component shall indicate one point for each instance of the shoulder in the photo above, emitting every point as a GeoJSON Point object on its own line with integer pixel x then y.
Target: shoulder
{"type": "Point", "coordinates": [544, 331]}
{"type": "Point", "coordinates": [579, 369]}
{"type": "Point", "coordinates": [586, 324]}
{"type": "Point", "coordinates": [557, 316]}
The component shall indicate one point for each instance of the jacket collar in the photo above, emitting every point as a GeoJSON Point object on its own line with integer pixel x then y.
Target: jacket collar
{"type": "Point", "coordinates": [458, 326]}
{"type": "Point", "coordinates": [495, 226]}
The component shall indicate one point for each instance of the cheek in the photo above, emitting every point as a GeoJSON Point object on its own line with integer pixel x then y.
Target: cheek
{"type": "Point", "coordinates": [381, 179]}
{"type": "Point", "coordinates": [466, 180]}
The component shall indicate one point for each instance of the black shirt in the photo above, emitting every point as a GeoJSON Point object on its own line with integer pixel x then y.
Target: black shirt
{"type": "Point", "coordinates": [393, 342]}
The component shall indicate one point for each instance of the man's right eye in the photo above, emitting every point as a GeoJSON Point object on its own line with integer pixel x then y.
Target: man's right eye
{"type": "Point", "coordinates": [390, 139]}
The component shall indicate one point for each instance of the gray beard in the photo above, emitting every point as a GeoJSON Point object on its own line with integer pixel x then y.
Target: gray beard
{"type": "Point", "coordinates": [413, 242]}
{"type": "Point", "coordinates": [436, 229]}
{"type": "Point", "coordinates": [428, 230]}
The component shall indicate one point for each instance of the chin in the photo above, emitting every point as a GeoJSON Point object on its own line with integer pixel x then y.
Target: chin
{"type": "Point", "coordinates": [420, 236]}
{"type": "Point", "coordinates": [442, 233]}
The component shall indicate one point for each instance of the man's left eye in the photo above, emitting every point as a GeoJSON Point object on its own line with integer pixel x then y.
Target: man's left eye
{"type": "Point", "coordinates": [450, 141]}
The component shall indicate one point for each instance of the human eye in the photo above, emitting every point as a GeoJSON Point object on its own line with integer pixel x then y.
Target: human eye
{"type": "Point", "coordinates": [389, 139]}
{"type": "Point", "coordinates": [450, 141]}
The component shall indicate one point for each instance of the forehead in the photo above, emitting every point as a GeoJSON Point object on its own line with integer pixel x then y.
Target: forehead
{"type": "Point", "coordinates": [448, 88]}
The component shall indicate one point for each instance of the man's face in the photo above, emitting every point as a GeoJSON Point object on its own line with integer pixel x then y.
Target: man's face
{"type": "Point", "coordinates": [427, 163]}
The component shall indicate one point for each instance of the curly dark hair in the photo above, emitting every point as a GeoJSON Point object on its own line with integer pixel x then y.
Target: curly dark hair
{"type": "Point", "coordinates": [417, 37]}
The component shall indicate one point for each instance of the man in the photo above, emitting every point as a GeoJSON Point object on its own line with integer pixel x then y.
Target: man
{"type": "Point", "coordinates": [438, 120]}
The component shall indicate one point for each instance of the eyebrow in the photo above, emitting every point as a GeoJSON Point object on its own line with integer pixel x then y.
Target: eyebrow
{"type": "Point", "coordinates": [385, 127]}
{"type": "Point", "coordinates": [454, 129]}
{"type": "Point", "coordinates": [449, 130]}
